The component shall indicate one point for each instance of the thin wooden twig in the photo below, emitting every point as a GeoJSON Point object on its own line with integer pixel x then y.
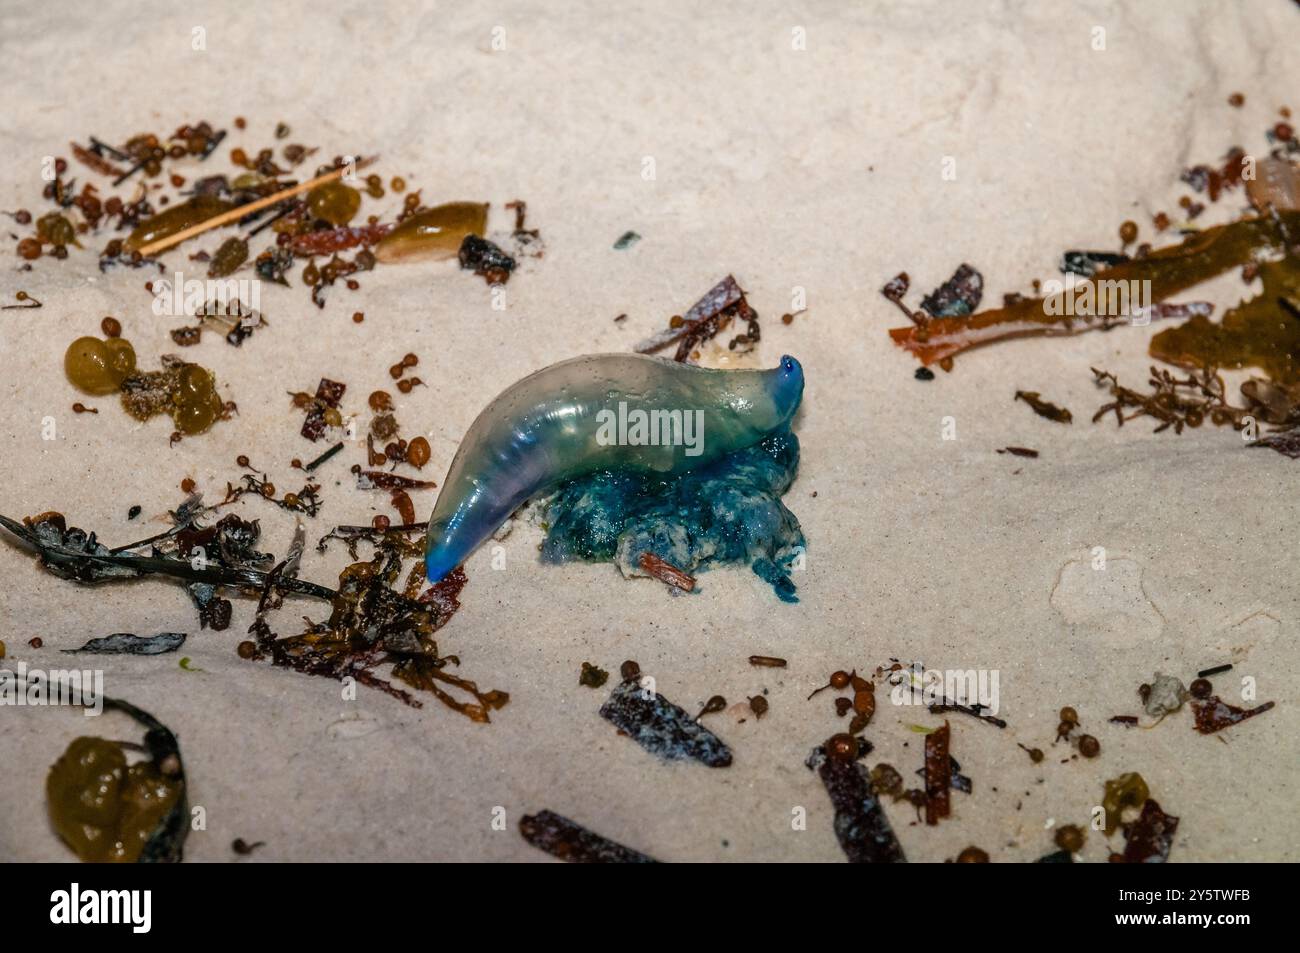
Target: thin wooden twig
{"type": "Point", "coordinates": [216, 221]}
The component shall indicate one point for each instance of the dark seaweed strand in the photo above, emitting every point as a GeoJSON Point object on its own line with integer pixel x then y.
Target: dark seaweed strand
{"type": "Point", "coordinates": [861, 826]}
{"type": "Point", "coordinates": [973, 710]}
{"type": "Point", "coordinates": [72, 560]}
{"type": "Point", "coordinates": [571, 842]}
{"type": "Point", "coordinates": [662, 728]}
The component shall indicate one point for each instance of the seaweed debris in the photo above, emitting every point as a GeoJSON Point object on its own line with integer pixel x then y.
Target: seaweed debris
{"type": "Point", "coordinates": [938, 775]}
{"type": "Point", "coordinates": [661, 727]}
{"type": "Point", "coordinates": [861, 826]}
{"type": "Point", "coordinates": [712, 314]}
{"type": "Point", "coordinates": [1148, 839]}
{"type": "Point", "coordinates": [571, 842]}
{"type": "Point", "coordinates": [1168, 270]}
{"type": "Point", "coordinates": [1045, 408]}
{"type": "Point", "coordinates": [1214, 714]}
{"type": "Point", "coordinates": [372, 622]}
{"type": "Point", "coordinates": [124, 643]}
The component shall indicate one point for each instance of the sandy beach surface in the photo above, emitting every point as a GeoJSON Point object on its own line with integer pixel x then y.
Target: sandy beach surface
{"type": "Point", "coordinates": [801, 149]}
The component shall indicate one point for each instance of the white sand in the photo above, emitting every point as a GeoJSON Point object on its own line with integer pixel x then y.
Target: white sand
{"type": "Point", "coordinates": [816, 168]}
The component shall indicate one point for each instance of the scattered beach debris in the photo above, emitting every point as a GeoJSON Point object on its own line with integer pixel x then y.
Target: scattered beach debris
{"type": "Point", "coordinates": [713, 313]}
{"type": "Point", "coordinates": [861, 827]}
{"type": "Point", "coordinates": [938, 775]}
{"type": "Point", "coordinates": [660, 727]}
{"type": "Point", "coordinates": [959, 296]}
{"type": "Point", "coordinates": [124, 643]}
{"type": "Point", "coordinates": [591, 676]}
{"type": "Point", "coordinates": [571, 842]}
{"type": "Point", "coordinates": [1148, 839]}
{"type": "Point", "coordinates": [1214, 714]}
{"type": "Point", "coordinates": [1045, 408]}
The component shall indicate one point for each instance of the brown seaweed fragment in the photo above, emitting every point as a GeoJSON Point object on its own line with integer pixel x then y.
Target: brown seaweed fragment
{"type": "Point", "coordinates": [379, 480]}
{"type": "Point", "coordinates": [1148, 839]}
{"type": "Point", "coordinates": [1214, 714]}
{"type": "Point", "coordinates": [306, 500]}
{"type": "Point", "coordinates": [1263, 332]}
{"type": "Point", "coordinates": [938, 775]}
{"type": "Point", "coordinates": [713, 313]}
{"type": "Point", "coordinates": [661, 727]}
{"type": "Point", "coordinates": [861, 826]}
{"type": "Point", "coordinates": [575, 844]}
{"type": "Point", "coordinates": [592, 676]}
{"type": "Point", "coordinates": [1169, 271]}
{"type": "Point", "coordinates": [1173, 401]}
{"type": "Point", "coordinates": [1045, 408]}
{"type": "Point", "coordinates": [372, 623]}
{"type": "Point", "coordinates": [1216, 180]}
{"type": "Point", "coordinates": [959, 781]}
